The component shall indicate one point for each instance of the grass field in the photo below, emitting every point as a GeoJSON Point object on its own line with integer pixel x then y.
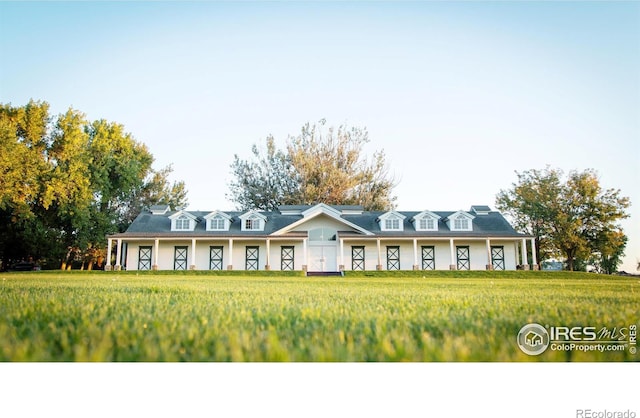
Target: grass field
{"type": "Point", "coordinates": [443, 316]}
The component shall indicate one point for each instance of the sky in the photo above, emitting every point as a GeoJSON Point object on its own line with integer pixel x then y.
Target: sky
{"type": "Point", "coordinates": [459, 95]}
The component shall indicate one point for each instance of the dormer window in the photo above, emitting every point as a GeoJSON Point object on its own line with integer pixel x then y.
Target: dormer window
{"type": "Point", "coordinates": [252, 224]}
{"type": "Point", "coordinates": [252, 221]}
{"type": "Point", "coordinates": [217, 223]}
{"type": "Point", "coordinates": [183, 223]}
{"type": "Point", "coordinates": [460, 221]}
{"type": "Point", "coordinates": [392, 224]}
{"type": "Point", "coordinates": [426, 224]}
{"type": "Point", "coordinates": [426, 221]}
{"type": "Point", "coordinates": [391, 221]}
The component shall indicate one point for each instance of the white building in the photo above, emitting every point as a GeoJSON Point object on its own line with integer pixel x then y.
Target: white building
{"type": "Point", "coordinates": [320, 238]}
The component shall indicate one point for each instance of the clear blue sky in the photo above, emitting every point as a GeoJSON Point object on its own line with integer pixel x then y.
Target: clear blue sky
{"type": "Point", "coordinates": [459, 95]}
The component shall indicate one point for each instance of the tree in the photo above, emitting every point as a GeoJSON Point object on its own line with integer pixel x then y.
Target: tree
{"type": "Point", "coordinates": [156, 189]}
{"type": "Point", "coordinates": [66, 182]}
{"type": "Point", "coordinates": [573, 218]}
{"type": "Point", "coordinates": [267, 182]}
{"type": "Point", "coordinates": [317, 166]}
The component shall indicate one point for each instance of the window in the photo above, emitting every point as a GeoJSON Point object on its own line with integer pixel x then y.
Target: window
{"type": "Point", "coordinates": [393, 223]}
{"type": "Point", "coordinates": [252, 224]}
{"type": "Point", "coordinates": [427, 224]}
{"type": "Point", "coordinates": [182, 223]}
{"type": "Point", "coordinates": [426, 221]}
{"type": "Point", "coordinates": [252, 256]}
{"type": "Point", "coordinates": [286, 258]}
{"type": "Point", "coordinates": [393, 258]}
{"type": "Point", "coordinates": [144, 258]}
{"type": "Point", "coordinates": [180, 258]}
{"type": "Point", "coordinates": [252, 221]}
{"type": "Point", "coordinates": [428, 258]}
{"type": "Point", "coordinates": [461, 223]}
{"type": "Point", "coordinates": [217, 223]}
{"type": "Point", "coordinates": [357, 258]}
{"type": "Point", "coordinates": [463, 258]}
{"type": "Point", "coordinates": [497, 257]}
{"type": "Point", "coordinates": [215, 258]}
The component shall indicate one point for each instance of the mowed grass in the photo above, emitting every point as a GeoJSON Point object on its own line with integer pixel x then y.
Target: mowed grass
{"type": "Point", "coordinates": [449, 317]}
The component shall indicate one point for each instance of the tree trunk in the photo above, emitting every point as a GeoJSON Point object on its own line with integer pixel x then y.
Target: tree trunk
{"type": "Point", "coordinates": [570, 263]}
{"type": "Point", "coordinates": [570, 259]}
{"type": "Point", "coordinates": [64, 266]}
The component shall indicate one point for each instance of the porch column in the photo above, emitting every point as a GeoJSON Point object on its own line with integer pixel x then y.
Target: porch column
{"type": "Point", "coordinates": [415, 254]}
{"type": "Point", "coordinates": [230, 265]}
{"type": "Point", "coordinates": [107, 266]}
{"type": "Point", "coordinates": [489, 260]}
{"type": "Point", "coordinates": [118, 254]}
{"type": "Point", "coordinates": [341, 266]}
{"type": "Point", "coordinates": [534, 259]}
{"type": "Point", "coordinates": [379, 265]}
{"type": "Point", "coordinates": [525, 264]}
{"type": "Point", "coordinates": [192, 266]}
{"type": "Point", "coordinates": [452, 264]}
{"type": "Point", "coordinates": [156, 250]}
{"type": "Point", "coordinates": [268, 265]}
{"type": "Point", "coordinates": [305, 263]}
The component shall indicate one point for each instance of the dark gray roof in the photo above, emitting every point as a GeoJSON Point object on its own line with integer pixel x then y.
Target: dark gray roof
{"type": "Point", "coordinates": [493, 224]}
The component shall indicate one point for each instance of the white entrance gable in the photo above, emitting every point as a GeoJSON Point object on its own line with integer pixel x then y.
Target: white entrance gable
{"type": "Point", "coordinates": [321, 210]}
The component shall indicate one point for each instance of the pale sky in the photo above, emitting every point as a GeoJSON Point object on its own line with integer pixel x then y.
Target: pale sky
{"type": "Point", "coordinates": [458, 95]}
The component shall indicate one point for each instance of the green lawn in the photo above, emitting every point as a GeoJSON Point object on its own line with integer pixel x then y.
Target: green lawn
{"type": "Point", "coordinates": [443, 316]}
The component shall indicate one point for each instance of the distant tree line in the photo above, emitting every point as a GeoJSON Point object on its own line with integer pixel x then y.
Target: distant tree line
{"type": "Point", "coordinates": [66, 182]}
{"type": "Point", "coordinates": [572, 218]}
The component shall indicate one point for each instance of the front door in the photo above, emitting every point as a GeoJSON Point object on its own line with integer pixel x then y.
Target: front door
{"type": "Point", "coordinates": [323, 258]}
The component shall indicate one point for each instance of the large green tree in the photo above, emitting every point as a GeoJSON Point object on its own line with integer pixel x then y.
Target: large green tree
{"type": "Point", "coordinates": [66, 182]}
{"type": "Point", "coordinates": [320, 164]}
{"type": "Point", "coordinates": [573, 218]}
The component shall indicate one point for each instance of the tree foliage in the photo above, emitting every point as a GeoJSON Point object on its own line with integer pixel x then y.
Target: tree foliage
{"type": "Point", "coordinates": [318, 165]}
{"type": "Point", "coordinates": [573, 218]}
{"type": "Point", "coordinates": [66, 182]}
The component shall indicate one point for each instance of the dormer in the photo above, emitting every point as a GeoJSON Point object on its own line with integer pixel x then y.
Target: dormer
{"type": "Point", "coordinates": [425, 221]}
{"type": "Point", "coordinates": [252, 221]}
{"type": "Point", "coordinates": [217, 221]}
{"type": "Point", "coordinates": [460, 221]}
{"type": "Point", "coordinates": [159, 209]}
{"type": "Point", "coordinates": [391, 221]}
{"type": "Point", "coordinates": [183, 221]}
{"type": "Point", "coordinates": [480, 209]}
